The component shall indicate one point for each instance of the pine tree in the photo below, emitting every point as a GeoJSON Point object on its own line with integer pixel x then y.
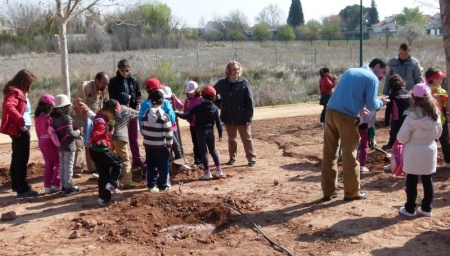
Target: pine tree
{"type": "Point", "coordinates": [295, 17]}
{"type": "Point", "coordinates": [372, 15]}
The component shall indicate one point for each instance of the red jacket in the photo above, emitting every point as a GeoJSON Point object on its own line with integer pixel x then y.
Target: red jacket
{"type": "Point", "coordinates": [327, 83]}
{"type": "Point", "coordinates": [98, 135]}
{"type": "Point", "coordinates": [13, 108]}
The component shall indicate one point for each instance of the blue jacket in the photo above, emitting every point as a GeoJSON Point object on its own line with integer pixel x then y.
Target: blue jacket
{"type": "Point", "coordinates": [147, 105]}
{"type": "Point", "coordinates": [358, 88]}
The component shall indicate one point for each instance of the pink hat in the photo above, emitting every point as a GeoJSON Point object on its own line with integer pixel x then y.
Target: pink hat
{"type": "Point", "coordinates": [421, 90]}
{"type": "Point", "coordinates": [48, 98]}
{"type": "Point", "coordinates": [191, 86]}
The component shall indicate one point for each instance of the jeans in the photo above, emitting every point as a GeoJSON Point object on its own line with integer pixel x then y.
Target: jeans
{"type": "Point", "coordinates": [157, 167]}
{"type": "Point", "coordinates": [206, 141]}
{"type": "Point", "coordinates": [176, 147]}
{"type": "Point", "coordinates": [104, 160]}
{"type": "Point", "coordinates": [344, 128]}
{"type": "Point", "coordinates": [66, 160]}
{"type": "Point", "coordinates": [51, 159]}
{"type": "Point", "coordinates": [19, 161]}
{"type": "Point", "coordinates": [245, 132]}
{"type": "Point", "coordinates": [134, 145]}
{"type": "Point", "coordinates": [411, 192]}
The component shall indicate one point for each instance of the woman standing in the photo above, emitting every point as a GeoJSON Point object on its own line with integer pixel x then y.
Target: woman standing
{"type": "Point", "coordinates": [13, 124]}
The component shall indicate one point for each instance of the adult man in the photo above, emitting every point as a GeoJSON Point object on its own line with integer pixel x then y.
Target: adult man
{"type": "Point", "coordinates": [236, 99]}
{"type": "Point", "coordinates": [406, 66]}
{"type": "Point", "coordinates": [124, 82]}
{"type": "Point", "coordinates": [92, 94]}
{"type": "Point", "coordinates": [356, 90]}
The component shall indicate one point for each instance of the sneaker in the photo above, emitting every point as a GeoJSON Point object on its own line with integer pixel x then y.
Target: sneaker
{"type": "Point", "coordinates": [387, 167]}
{"type": "Point", "coordinates": [231, 162]}
{"type": "Point", "coordinates": [404, 212]}
{"type": "Point", "coordinates": [29, 193]}
{"type": "Point", "coordinates": [206, 176]}
{"type": "Point", "coordinates": [386, 147]}
{"type": "Point", "coordinates": [101, 202]}
{"type": "Point", "coordinates": [112, 188]}
{"type": "Point", "coordinates": [218, 173]}
{"type": "Point", "coordinates": [424, 213]}
{"type": "Point", "coordinates": [322, 123]}
{"type": "Point", "coordinates": [48, 190]}
{"type": "Point", "coordinates": [153, 189]}
{"type": "Point", "coordinates": [184, 167]}
{"type": "Point", "coordinates": [55, 188]}
{"type": "Point", "coordinates": [72, 191]}
{"type": "Point", "coordinates": [363, 169]}
{"type": "Point", "coordinates": [251, 163]}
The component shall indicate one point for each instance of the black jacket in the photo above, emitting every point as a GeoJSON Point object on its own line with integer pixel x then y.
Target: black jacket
{"type": "Point", "coordinates": [236, 101]}
{"type": "Point", "coordinates": [206, 114]}
{"type": "Point", "coordinates": [117, 86]}
{"type": "Point", "coordinates": [398, 104]}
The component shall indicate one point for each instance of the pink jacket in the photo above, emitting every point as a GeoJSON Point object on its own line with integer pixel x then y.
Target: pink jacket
{"type": "Point", "coordinates": [189, 103]}
{"type": "Point", "coordinates": [42, 122]}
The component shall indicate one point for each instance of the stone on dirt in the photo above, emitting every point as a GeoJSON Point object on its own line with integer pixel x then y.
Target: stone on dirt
{"type": "Point", "coordinates": [9, 216]}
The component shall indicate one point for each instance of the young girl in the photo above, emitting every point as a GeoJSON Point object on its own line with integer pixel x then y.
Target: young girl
{"type": "Point", "coordinates": [419, 131]}
{"type": "Point", "coordinates": [67, 135]}
{"type": "Point", "coordinates": [14, 124]}
{"type": "Point", "coordinates": [193, 98]}
{"type": "Point", "coordinates": [327, 82]}
{"type": "Point", "coordinates": [206, 114]}
{"type": "Point", "coordinates": [49, 151]}
{"type": "Point", "coordinates": [367, 121]}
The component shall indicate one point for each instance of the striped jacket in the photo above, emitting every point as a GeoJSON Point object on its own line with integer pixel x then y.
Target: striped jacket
{"type": "Point", "coordinates": [157, 128]}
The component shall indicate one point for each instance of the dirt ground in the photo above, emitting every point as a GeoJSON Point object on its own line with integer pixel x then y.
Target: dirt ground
{"type": "Point", "coordinates": [281, 194]}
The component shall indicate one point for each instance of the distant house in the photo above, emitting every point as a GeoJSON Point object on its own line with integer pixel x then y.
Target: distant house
{"type": "Point", "coordinates": [379, 29]}
{"type": "Point", "coordinates": [248, 31]}
{"type": "Point", "coordinates": [211, 27]}
{"type": "Point", "coordinates": [434, 24]}
{"type": "Point", "coordinates": [6, 28]}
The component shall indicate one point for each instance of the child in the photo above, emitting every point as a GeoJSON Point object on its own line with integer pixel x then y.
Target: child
{"type": "Point", "coordinates": [434, 78]}
{"type": "Point", "coordinates": [206, 114]}
{"type": "Point", "coordinates": [367, 121]}
{"type": "Point", "coordinates": [61, 117]}
{"type": "Point", "coordinates": [193, 98]}
{"type": "Point", "coordinates": [399, 102]}
{"type": "Point", "coordinates": [119, 140]}
{"type": "Point", "coordinates": [157, 132]}
{"type": "Point", "coordinates": [49, 151]}
{"type": "Point", "coordinates": [326, 84]}
{"type": "Point", "coordinates": [100, 153]}
{"type": "Point", "coordinates": [419, 131]}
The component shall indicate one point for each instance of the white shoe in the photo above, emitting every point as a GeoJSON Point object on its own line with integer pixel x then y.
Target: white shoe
{"type": "Point", "coordinates": [113, 189]}
{"type": "Point", "coordinates": [48, 190]}
{"type": "Point", "coordinates": [363, 169]}
{"type": "Point", "coordinates": [206, 176]}
{"type": "Point", "coordinates": [387, 167]}
{"type": "Point", "coordinates": [424, 213]}
{"type": "Point", "coordinates": [404, 212]}
{"type": "Point", "coordinates": [101, 202]}
{"type": "Point", "coordinates": [218, 173]}
{"type": "Point", "coordinates": [184, 167]}
{"type": "Point", "coordinates": [154, 189]}
{"type": "Point", "coordinates": [322, 123]}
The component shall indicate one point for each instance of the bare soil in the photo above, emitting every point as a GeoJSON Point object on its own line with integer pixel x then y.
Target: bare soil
{"type": "Point", "coordinates": [281, 194]}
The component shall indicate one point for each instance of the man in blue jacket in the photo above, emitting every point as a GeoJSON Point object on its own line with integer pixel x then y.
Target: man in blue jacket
{"type": "Point", "coordinates": [357, 90]}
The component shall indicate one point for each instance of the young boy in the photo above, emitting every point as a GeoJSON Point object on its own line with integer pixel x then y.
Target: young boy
{"type": "Point", "coordinates": [100, 153]}
{"type": "Point", "coordinates": [157, 132]}
{"type": "Point", "coordinates": [119, 141]}
{"type": "Point", "coordinates": [434, 78]}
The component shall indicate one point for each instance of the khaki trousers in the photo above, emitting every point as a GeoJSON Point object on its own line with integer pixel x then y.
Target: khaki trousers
{"type": "Point", "coordinates": [245, 132]}
{"type": "Point", "coordinates": [339, 126]}
{"type": "Point", "coordinates": [121, 150]}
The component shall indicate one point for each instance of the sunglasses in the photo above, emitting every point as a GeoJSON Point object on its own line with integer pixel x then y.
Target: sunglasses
{"type": "Point", "coordinates": [235, 69]}
{"type": "Point", "coordinates": [125, 71]}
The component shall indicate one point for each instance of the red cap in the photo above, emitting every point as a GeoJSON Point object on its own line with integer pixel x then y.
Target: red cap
{"type": "Point", "coordinates": [209, 90]}
{"type": "Point", "coordinates": [436, 75]}
{"type": "Point", "coordinates": [152, 84]}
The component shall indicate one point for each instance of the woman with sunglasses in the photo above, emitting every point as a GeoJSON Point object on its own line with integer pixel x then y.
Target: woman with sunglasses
{"type": "Point", "coordinates": [124, 82]}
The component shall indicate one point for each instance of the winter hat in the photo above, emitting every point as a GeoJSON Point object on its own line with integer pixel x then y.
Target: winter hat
{"type": "Point", "coordinates": [123, 98]}
{"type": "Point", "coordinates": [48, 98]}
{"type": "Point", "coordinates": [112, 106]}
{"type": "Point", "coordinates": [209, 90]}
{"type": "Point", "coordinates": [152, 84]}
{"type": "Point", "coordinates": [421, 90]}
{"type": "Point", "coordinates": [61, 100]}
{"type": "Point", "coordinates": [434, 73]}
{"type": "Point", "coordinates": [191, 86]}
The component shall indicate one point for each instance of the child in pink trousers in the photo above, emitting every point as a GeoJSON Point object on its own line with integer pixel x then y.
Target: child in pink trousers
{"type": "Point", "coordinates": [49, 151]}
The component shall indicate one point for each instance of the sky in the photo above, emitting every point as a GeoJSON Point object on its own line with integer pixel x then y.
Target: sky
{"type": "Point", "coordinates": [191, 11]}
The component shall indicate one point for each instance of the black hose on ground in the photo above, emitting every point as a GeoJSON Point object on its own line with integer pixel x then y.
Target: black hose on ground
{"type": "Point", "coordinates": [272, 243]}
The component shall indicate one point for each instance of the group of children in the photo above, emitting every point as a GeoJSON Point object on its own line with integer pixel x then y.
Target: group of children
{"type": "Point", "coordinates": [108, 138]}
{"type": "Point", "coordinates": [417, 119]}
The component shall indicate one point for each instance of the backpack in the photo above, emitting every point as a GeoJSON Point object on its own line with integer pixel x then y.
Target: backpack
{"type": "Point", "coordinates": [88, 130]}
{"type": "Point", "coordinates": [52, 133]}
{"type": "Point", "coordinates": [397, 159]}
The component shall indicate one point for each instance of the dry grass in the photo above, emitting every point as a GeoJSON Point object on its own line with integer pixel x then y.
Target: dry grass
{"type": "Point", "coordinates": [280, 73]}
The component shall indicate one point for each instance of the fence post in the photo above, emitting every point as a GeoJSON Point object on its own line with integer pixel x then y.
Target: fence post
{"type": "Point", "coordinates": [198, 61]}
{"type": "Point", "coordinates": [235, 54]}
{"type": "Point", "coordinates": [350, 51]}
{"type": "Point", "coordinates": [315, 54]}
{"type": "Point", "coordinates": [276, 56]}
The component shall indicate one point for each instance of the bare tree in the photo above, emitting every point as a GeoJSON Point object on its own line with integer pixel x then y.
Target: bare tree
{"type": "Point", "coordinates": [445, 18]}
{"type": "Point", "coordinates": [22, 17]}
{"type": "Point", "coordinates": [411, 31]}
{"type": "Point", "coordinates": [271, 15]}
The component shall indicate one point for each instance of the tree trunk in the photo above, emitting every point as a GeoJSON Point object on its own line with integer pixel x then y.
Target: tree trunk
{"type": "Point", "coordinates": [445, 19]}
{"type": "Point", "coordinates": [64, 56]}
